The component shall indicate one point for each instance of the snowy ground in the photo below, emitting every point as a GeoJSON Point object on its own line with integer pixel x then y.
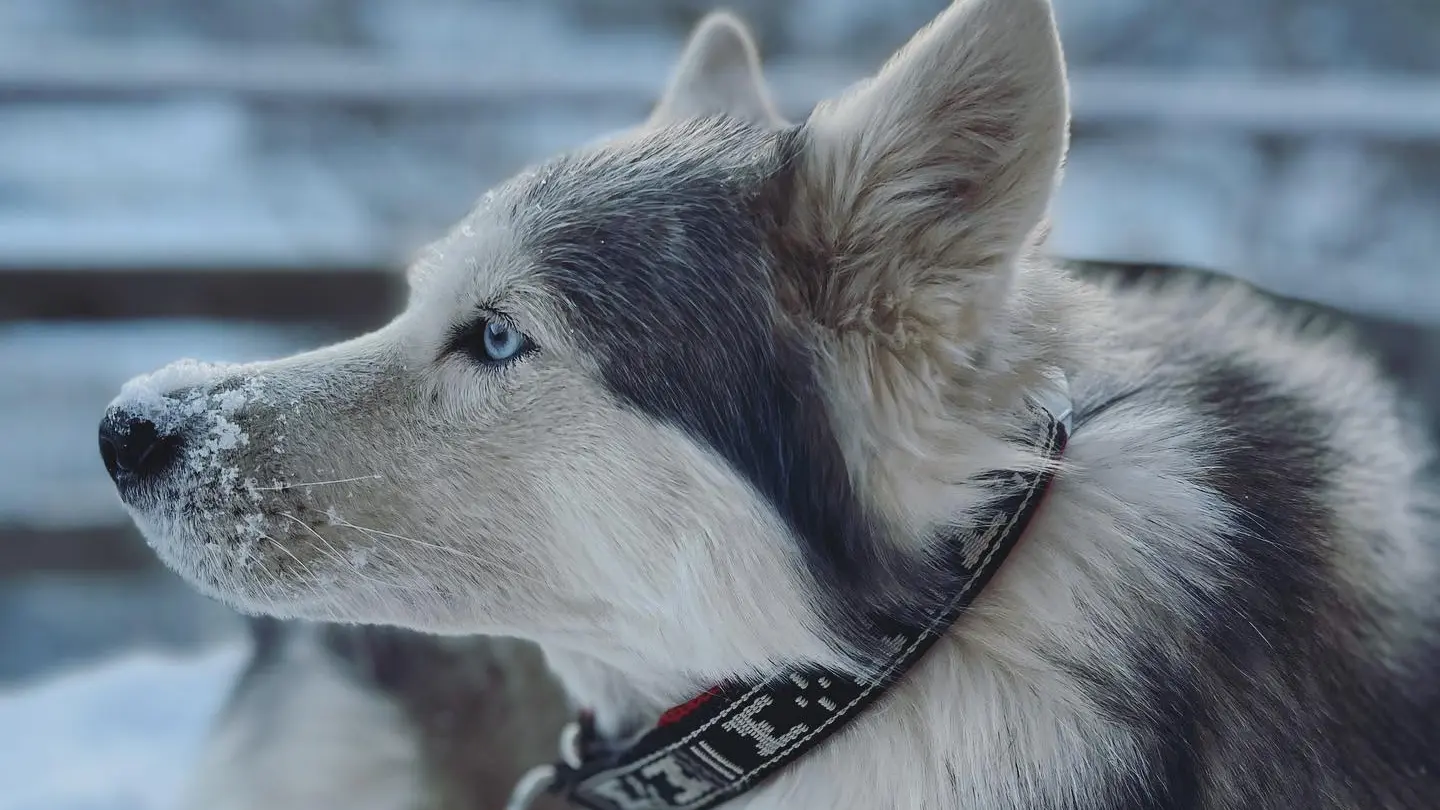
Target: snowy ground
{"type": "Point", "coordinates": [103, 695]}
{"type": "Point", "coordinates": [115, 737]}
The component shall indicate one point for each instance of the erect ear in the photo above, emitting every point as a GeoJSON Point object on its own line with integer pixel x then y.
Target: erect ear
{"type": "Point", "coordinates": [917, 192]}
{"type": "Point", "coordinates": [718, 74]}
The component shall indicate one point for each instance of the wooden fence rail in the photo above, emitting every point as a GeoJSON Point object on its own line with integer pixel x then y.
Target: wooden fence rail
{"type": "Point", "coordinates": [1375, 106]}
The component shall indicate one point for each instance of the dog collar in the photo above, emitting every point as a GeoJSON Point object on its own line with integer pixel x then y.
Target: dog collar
{"type": "Point", "coordinates": [731, 738]}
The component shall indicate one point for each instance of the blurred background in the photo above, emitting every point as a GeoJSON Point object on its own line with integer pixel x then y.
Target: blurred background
{"type": "Point", "coordinates": [237, 179]}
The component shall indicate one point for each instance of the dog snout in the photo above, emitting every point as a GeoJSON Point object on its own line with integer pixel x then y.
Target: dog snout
{"type": "Point", "coordinates": [134, 449]}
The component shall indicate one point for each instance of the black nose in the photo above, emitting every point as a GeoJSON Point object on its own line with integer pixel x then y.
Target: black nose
{"type": "Point", "coordinates": [133, 449]}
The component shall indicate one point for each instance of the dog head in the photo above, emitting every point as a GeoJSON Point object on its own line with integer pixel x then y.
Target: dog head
{"type": "Point", "coordinates": [684, 398]}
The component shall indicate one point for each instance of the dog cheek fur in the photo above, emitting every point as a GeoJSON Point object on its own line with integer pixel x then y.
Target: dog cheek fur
{"type": "Point", "coordinates": [671, 248]}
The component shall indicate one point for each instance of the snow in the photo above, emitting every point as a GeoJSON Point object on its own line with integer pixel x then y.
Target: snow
{"type": "Point", "coordinates": [1148, 199]}
{"type": "Point", "coordinates": [115, 736]}
{"type": "Point", "coordinates": [205, 413]}
{"type": "Point", "coordinates": [1328, 220]}
{"type": "Point", "coordinates": [93, 183]}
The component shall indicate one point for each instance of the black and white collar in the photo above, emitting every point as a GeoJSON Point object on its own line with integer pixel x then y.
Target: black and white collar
{"type": "Point", "coordinates": [729, 739]}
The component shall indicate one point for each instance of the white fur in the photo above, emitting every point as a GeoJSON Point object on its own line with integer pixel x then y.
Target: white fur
{"type": "Point", "coordinates": [425, 493]}
{"type": "Point", "coordinates": [306, 736]}
{"type": "Point", "coordinates": [718, 74]}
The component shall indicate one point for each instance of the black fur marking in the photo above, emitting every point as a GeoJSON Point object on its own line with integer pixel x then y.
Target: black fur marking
{"type": "Point", "coordinates": [659, 248]}
{"type": "Point", "coordinates": [268, 637]}
{"type": "Point", "coordinates": [377, 656]}
{"type": "Point", "coordinates": [1405, 350]}
{"type": "Point", "coordinates": [1286, 606]}
{"type": "Point", "coordinates": [253, 692]}
{"type": "Point", "coordinates": [1270, 701]}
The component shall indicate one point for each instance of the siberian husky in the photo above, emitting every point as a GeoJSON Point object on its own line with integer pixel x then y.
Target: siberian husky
{"type": "Point", "coordinates": [335, 717]}
{"type": "Point", "coordinates": [821, 487]}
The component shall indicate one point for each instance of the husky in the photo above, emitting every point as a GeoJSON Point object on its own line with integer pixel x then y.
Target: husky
{"type": "Point", "coordinates": [820, 486]}
{"type": "Point", "coordinates": [337, 717]}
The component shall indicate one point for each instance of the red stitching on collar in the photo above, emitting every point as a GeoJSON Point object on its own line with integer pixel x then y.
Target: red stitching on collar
{"type": "Point", "coordinates": [675, 713]}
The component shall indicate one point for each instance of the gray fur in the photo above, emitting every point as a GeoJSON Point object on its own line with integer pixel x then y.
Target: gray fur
{"type": "Point", "coordinates": [765, 365]}
{"type": "Point", "coordinates": [718, 74]}
{"type": "Point", "coordinates": [373, 718]}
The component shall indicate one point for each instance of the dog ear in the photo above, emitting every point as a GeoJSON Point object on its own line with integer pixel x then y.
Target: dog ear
{"type": "Point", "coordinates": [917, 192]}
{"type": "Point", "coordinates": [719, 73]}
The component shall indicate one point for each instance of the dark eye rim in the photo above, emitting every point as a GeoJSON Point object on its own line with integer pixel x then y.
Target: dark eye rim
{"type": "Point", "coordinates": [468, 339]}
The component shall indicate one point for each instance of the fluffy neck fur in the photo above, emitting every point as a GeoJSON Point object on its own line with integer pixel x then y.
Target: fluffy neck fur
{"type": "Point", "coordinates": [1178, 573]}
{"type": "Point", "coordinates": [991, 713]}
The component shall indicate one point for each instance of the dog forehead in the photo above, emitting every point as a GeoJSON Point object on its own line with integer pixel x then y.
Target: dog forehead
{"type": "Point", "coordinates": [663, 210]}
{"type": "Point", "coordinates": [687, 163]}
{"type": "Point", "coordinates": [657, 214]}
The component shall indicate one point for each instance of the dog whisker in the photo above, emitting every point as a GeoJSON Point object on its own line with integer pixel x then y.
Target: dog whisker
{"type": "Point", "coordinates": [281, 546]}
{"type": "Point", "coordinates": [455, 551]}
{"type": "Point", "coordinates": [334, 554]}
{"type": "Point", "coordinates": [284, 487]}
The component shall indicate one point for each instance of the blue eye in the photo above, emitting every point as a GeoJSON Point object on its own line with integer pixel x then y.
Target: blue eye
{"type": "Point", "coordinates": [502, 342]}
{"type": "Point", "coordinates": [490, 341]}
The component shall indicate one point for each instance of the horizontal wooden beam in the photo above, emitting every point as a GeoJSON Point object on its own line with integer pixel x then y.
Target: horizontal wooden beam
{"type": "Point", "coordinates": [1382, 107]}
{"type": "Point", "coordinates": [349, 299]}
{"type": "Point", "coordinates": [1377, 106]}
{"type": "Point", "coordinates": [85, 549]}
{"type": "Point", "coordinates": [308, 77]}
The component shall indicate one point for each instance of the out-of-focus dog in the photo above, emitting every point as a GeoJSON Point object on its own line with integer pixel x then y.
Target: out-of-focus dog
{"type": "Point", "coordinates": [331, 717]}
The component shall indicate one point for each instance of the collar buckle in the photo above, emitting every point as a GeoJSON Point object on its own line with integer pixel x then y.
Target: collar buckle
{"type": "Point", "coordinates": [578, 743]}
{"type": "Point", "coordinates": [536, 781]}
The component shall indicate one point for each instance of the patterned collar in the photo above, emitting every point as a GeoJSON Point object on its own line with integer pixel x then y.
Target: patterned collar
{"type": "Point", "coordinates": [731, 738]}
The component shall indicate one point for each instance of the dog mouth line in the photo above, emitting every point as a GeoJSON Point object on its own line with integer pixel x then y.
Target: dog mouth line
{"type": "Point", "coordinates": [270, 548]}
{"type": "Point", "coordinates": [275, 537]}
{"type": "Point", "coordinates": [271, 560]}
